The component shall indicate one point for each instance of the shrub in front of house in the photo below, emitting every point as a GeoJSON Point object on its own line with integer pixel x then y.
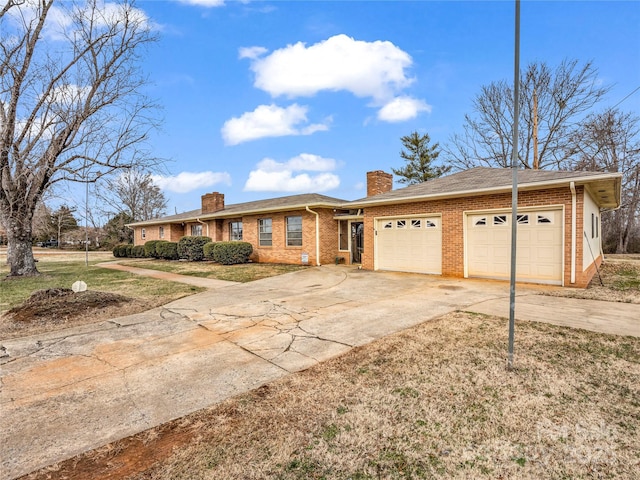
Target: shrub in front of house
{"type": "Point", "coordinates": [167, 250]}
{"type": "Point", "coordinates": [191, 248]}
{"type": "Point", "coordinates": [138, 251]}
{"type": "Point", "coordinates": [120, 251]}
{"type": "Point", "coordinates": [207, 250]}
{"type": "Point", "coordinates": [128, 251]}
{"type": "Point", "coordinates": [150, 248]}
{"type": "Point", "coordinates": [231, 253]}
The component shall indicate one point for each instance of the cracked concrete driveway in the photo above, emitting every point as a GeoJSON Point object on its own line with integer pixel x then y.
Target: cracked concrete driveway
{"type": "Point", "coordinates": [69, 391]}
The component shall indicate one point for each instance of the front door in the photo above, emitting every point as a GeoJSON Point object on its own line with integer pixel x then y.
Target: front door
{"type": "Point", "coordinates": [357, 241]}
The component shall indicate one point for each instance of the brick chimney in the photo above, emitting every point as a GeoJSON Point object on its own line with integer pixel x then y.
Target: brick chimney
{"type": "Point", "coordinates": [212, 202]}
{"type": "Point", "coordinates": [379, 182]}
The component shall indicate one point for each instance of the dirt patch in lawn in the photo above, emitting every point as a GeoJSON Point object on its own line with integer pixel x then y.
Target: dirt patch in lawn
{"type": "Point", "coordinates": [56, 308]}
{"type": "Point", "coordinates": [434, 401]}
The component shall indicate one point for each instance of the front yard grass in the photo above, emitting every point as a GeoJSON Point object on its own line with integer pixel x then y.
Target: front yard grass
{"type": "Point", "coordinates": [143, 293]}
{"type": "Point", "coordinates": [60, 274]}
{"type": "Point", "coordinates": [433, 401]}
{"type": "Point", "coordinates": [247, 272]}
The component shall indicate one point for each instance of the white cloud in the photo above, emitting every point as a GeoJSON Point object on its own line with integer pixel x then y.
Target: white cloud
{"type": "Point", "coordinates": [251, 52]}
{"type": "Point", "coordinates": [188, 181]}
{"type": "Point", "coordinates": [366, 69]}
{"type": "Point", "coordinates": [273, 176]}
{"type": "Point", "coordinates": [269, 121]}
{"type": "Point", "coordinates": [402, 108]}
{"type": "Point", "coordinates": [203, 3]}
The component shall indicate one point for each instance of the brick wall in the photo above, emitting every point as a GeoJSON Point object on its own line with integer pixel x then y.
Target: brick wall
{"type": "Point", "coordinates": [279, 252]}
{"type": "Point", "coordinates": [452, 211]}
{"type": "Point", "coordinates": [212, 202]}
{"type": "Point", "coordinates": [378, 182]}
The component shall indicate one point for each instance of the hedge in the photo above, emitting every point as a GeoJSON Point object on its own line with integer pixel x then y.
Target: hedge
{"type": "Point", "coordinates": [207, 250]}
{"type": "Point", "coordinates": [191, 248]}
{"type": "Point", "coordinates": [151, 249]}
{"type": "Point", "coordinates": [230, 253]}
{"type": "Point", "coordinates": [121, 250]}
{"type": "Point", "coordinates": [138, 251]}
{"type": "Point", "coordinates": [167, 250]}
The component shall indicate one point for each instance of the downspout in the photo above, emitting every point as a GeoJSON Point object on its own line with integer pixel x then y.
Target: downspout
{"type": "Point", "coordinates": [572, 186]}
{"type": "Point", "coordinates": [203, 223]}
{"type": "Point", "coordinates": [317, 234]}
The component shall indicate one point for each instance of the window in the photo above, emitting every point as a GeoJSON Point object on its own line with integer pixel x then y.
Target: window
{"type": "Point", "coordinates": [161, 232]}
{"type": "Point", "coordinates": [196, 230]}
{"type": "Point", "coordinates": [235, 231]}
{"type": "Point", "coordinates": [416, 223]}
{"type": "Point", "coordinates": [597, 226]}
{"type": "Point", "coordinates": [401, 223]}
{"type": "Point", "coordinates": [500, 220]}
{"type": "Point", "coordinates": [343, 235]}
{"type": "Point", "coordinates": [431, 224]}
{"type": "Point", "coordinates": [480, 222]}
{"type": "Point", "coordinates": [523, 219]}
{"type": "Point", "coordinates": [593, 225]}
{"type": "Point", "coordinates": [264, 232]}
{"type": "Point", "coordinates": [388, 225]}
{"type": "Point", "coordinates": [543, 219]}
{"type": "Point", "coordinates": [143, 233]}
{"type": "Point", "coordinates": [294, 231]}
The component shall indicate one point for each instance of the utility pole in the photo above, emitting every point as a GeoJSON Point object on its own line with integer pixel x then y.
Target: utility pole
{"type": "Point", "coordinates": [536, 163]}
{"type": "Point", "coordinates": [514, 188]}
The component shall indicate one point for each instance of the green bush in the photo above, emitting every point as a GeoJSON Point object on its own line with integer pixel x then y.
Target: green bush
{"type": "Point", "coordinates": [191, 248]}
{"type": "Point", "coordinates": [167, 250]}
{"type": "Point", "coordinates": [150, 248]}
{"type": "Point", "coordinates": [156, 253]}
{"type": "Point", "coordinates": [230, 253]}
{"type": "Point", "coordinates": [138, 251]}
{"type": "Point", "coordinates": [120, 251]}
{"type": "Point", "coordinates": [128, 251]}
{"type": "Point", "coordinates": [207, 250]}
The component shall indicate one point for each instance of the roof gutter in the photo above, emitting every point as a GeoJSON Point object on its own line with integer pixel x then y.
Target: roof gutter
{"type": "Point", "coordinates": [203, 223]}
{"type": "Point", "coordinates": [481, 191]}
{"type": "Point", "coordinates": [317, 234]}
{"type": "Point", "coordinates": [572, 186]}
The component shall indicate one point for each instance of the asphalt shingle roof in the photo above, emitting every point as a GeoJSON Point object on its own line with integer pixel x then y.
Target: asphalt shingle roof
{"type": "Point", "coordinates": [467, 182]}
{"type": "Point", "coordinates": [238, 209]}
{"type": "Point", "coordinates": [475, 179]}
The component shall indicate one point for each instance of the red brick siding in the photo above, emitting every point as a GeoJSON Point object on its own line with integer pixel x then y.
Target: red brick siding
{"type": "Point", "coordinates": [452, 211]}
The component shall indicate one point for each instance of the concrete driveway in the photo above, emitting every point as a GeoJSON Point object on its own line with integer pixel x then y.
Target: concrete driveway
{"type": "Point", "coordinates": [66, 392]}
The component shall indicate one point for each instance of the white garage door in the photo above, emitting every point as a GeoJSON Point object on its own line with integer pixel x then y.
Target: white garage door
{"type": "Point", "coordinates": [411, 244]}
{"type": "Point", "coordinates": [539, 250]}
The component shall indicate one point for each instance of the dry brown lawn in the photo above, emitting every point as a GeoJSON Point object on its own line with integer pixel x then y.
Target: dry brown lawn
{"type": "Point", "coordinates": [434, 401]}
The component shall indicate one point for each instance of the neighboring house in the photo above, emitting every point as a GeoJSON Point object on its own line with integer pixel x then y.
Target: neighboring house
{"type": "Point", "coordinates": [458, 225]}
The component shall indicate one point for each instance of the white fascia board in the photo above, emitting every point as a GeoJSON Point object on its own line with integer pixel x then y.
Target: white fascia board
{"type": "Point", "coordinates": [482, 191]}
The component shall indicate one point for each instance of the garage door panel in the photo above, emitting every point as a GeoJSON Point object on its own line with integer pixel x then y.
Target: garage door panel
{"type": "Point", "coordinates": [414, 247]}
{"type": "Point", "coordinates": [539, 250]}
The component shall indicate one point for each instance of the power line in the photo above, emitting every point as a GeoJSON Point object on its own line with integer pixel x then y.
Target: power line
{"type": "Point", "coordinates": [637, 88]}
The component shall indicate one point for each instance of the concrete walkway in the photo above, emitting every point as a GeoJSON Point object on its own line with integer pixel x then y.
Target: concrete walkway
{"type": "Point", "coordinates": [207, 283]}
{"type": "Point", "coordinates": [596, 316]}
{"type": "Point", "coordinates": [69, 391]}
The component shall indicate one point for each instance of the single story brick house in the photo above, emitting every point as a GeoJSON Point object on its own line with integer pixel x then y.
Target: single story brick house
{"type": "Point", "coordinates": [458, 225]}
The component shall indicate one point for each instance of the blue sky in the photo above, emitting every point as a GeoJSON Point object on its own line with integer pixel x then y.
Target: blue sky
{"type": "Point", "coordinates": [269, 98]}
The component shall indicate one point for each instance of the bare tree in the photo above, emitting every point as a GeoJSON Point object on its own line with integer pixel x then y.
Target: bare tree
{"type": "Point", "coordinates": [610, 142]}
{"type": "Point", "coordinates": [71, 103]}
{"type": "Point", "coordinates": [134, 193]}
{"type": "Point", "coordinates": [552, 103]}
